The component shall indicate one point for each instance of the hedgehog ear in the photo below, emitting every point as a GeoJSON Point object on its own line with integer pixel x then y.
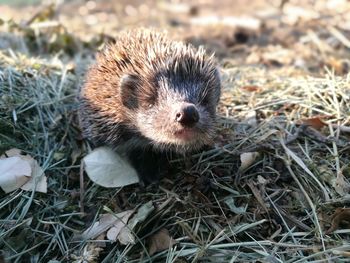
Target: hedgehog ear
{"type": "Point", "coordinates": [128, 89]}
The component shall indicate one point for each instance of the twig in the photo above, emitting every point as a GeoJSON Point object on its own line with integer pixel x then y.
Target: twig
{"type": "Point", "coordinates": [82, 192]}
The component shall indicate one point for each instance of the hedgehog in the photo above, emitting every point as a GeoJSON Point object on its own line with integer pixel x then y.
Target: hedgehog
{"type": "Point", "coordinates": [150, 96]}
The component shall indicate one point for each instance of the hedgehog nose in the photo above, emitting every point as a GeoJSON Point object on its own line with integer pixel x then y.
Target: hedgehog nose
{"type": "Point", "coordinates": [187, 115]}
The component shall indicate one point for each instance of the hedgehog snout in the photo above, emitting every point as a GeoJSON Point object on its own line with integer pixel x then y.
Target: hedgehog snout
{"type": "Point", "coordinates": [187, 114]}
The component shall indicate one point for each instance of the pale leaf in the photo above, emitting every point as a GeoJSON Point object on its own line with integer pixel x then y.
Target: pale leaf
{"type": "Point", "coordinates": [105, 222]}
{"type": "Point", "coordinates": [141, 214]}
{"type": "Point", "coordinates": [13, 152]}
{"type": "Point", "coordinates": [38, 178]}
{"type": "Point", "coordinates": [126, 236]}
{"type": "Point", "coordinates": [251, 119]}
{"type": "Point", "coordinates": [107, 168]}
{"type": "Point", "coordinates": [247, 159]}
{"type": "Point", "coordinates": [14, 172]}
{"type": "Point", "coordinates": [114, 231]}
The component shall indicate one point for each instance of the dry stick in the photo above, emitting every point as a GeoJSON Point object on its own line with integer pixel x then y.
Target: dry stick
{"type": "Point", "coordinates": [336, 157]}
{"type": "Point", "coordinates": [223, 230]}
{"type": "Point", "coordinates": [342, 128]}
{"type": "Point", "coordinates": [306, 169]}
{"type": "Point", "coordinates": [330, 80]}
{"type": "Point", "coordinates": [335, 148]}
{"type": "Point", "coordinates": [330, 250]}
{"type": "Point", "coordinates": [289, 233]}
{"type": "Point", "coordinates": [294, 220]}
{"type": "Point", "coordinates": [322, 47]}
{"type": "Point", "coordinates": [340, 36]}
{"type": "Point", "coordinates": [308, 200]}
{"type": "Point", "coordinates": [81, 179]}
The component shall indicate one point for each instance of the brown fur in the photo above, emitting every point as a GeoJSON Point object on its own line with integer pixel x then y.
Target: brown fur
{"type": "Point", "coordinates": [132, 93]}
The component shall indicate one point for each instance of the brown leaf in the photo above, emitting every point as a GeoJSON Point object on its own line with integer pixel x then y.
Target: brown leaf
{"type": "Point", "coordinates": [105, 222]}
{"type": "Point", "coordinates": [315, 122]}
{"type": "Point", "coordinates": [160, 241]}
{"type": "Point", "coordinates": [340, 184]}
{"type": "Point", "coordinates": [339, 215]}
{"type": "Point", "coordinates": [339, 65]}
{"type": "Point", "coordinates": [252, 88]}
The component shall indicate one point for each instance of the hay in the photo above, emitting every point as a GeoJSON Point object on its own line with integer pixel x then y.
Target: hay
{"type": "Point", "coordinates": [279, 209]}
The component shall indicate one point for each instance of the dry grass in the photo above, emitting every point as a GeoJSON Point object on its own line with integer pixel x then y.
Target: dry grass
{"type": "Point", "coordinates": [277, 210]}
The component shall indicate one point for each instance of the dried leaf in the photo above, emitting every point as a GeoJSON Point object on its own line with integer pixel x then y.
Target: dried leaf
{"type": "Point", "coordinates": [339, 215]}
{"type": "Point", "coordinates": [36, 178]}
{"type": "Point", "coordinates": [114, 231]}
{"type": "Point", "coordinates": [341, 185]}
{"type": "Point", "coordinates": [315, 122]}
{"type": "Point", "coordinates": [160, 241]}
{"type": "Point", "coordinates": [126, 236]}
{"type": "Point", "coordinates": [14, 172]}
{"type": "Point", "coordinates": [326, 174]}
{"type": "Point", "coordinates": [89, 254]}
{"type": "Point", "coordinates": [252, 88]}
{"type": "Point", "coordinates": [141, 214]}
{"type": "Point", "coordinates": [107, 168]}
{"type": "Point", "coordinates": [262, 180]}
{"type": "Point", "coordinates": [13, 152]}
{"type": "Point", "coordinates": [106, 222]}
{"type": "Point", "coordinates": [247, 159]}
{"type": "Point", "coordinates": [339, 65]}
{"type": "Point", "coordinates": [251, 119]}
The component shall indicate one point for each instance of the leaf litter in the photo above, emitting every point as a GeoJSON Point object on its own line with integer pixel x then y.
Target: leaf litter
{"type": "Point", "coordinates": [292, 109]}
{"type": "Point", "coordinates": [15, 172]}
{"type": "Point", "coordinates": [107, 168]}
{"type": "Point", "coordinates": [21, 171]}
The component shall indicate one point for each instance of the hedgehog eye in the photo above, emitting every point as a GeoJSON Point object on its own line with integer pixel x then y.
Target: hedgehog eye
{"type": "Point", "coordinates": [149, 102]}
{"type": "Point", "coordinates": [149, 99]}
{"type": "Point", "coordinates": [128, 90]}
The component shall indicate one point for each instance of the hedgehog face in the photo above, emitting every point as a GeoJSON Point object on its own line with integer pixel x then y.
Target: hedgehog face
{"type": "Point", "coordinates": [180, 114]}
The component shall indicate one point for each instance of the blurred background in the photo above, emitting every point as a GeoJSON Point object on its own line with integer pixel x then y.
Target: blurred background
{"type": "Point", "coordinates": [302, 34]}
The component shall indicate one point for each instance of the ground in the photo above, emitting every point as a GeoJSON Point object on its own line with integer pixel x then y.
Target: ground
{"type": "Point", "coordinates": [273, 188]}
